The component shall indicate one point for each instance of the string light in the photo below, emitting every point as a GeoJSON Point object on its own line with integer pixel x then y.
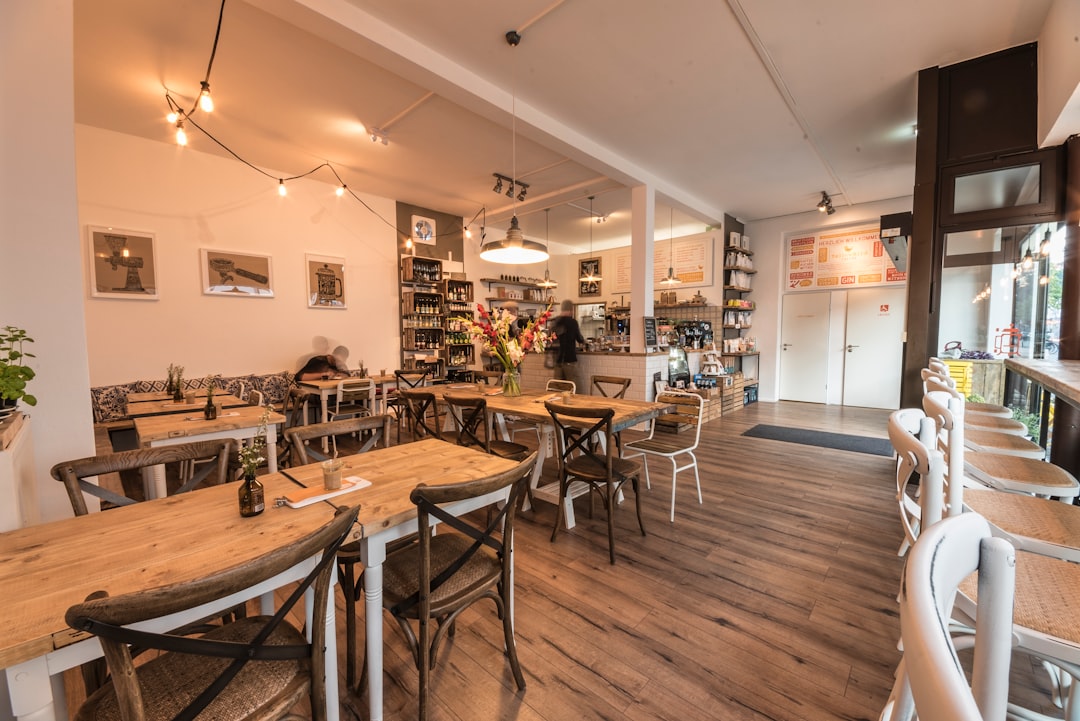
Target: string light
{"type": "Point", "coordinates": [181, 136]}
{"type": "Point", "coordinates": [281, 188]}
{"type": "Point", "coordinates": [205, 101]}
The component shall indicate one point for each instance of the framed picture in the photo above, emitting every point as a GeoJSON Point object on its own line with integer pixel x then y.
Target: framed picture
{"type": "Point", "coordinates": [325, 281]}
{"type": "Point", "coordinates": [589, 267]}
{"type": "Point", "coordinates": [423, 230]}
{"type": "Point", "coordinates": [225, 272]}
{"type": "Point", "coordinates": [122, 263]}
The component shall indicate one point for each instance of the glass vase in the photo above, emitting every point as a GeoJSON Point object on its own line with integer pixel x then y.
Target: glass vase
{"type": "Point", "coordinates": [511, 382]}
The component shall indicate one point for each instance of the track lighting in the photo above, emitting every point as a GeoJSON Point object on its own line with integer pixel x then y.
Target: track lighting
{"type": "Point", "coordinates": [379, 136]}
{"type": "Point", "coordinates": [515, 186]}
{"type": "Point", "coordinates": [498, 184]}
{"type": "Point", "coordinates": [510, 190]}
{"type": "Point", "coordinates": [521, 193]}
{"type": "Point", "coordinates": [825, 204]}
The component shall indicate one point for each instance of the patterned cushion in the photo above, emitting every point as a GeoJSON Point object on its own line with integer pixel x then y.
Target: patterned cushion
{"type": "Point", "coordinates": [109, 403]}
{"type": "Point", "coordinates": [233, 384]}
{"type": "Point", "coordinates": [150, 386]}
{"type": "Point", "coordinates": [274, 386]}
{"type": "Point", "coordinates": [194, 384]}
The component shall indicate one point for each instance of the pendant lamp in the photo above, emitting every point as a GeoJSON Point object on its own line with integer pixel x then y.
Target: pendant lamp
{"type": "Point", "coordinates": [514, 249]}
{"type": "Point", "coordinates": [671, 278]}
{"type": "Point", "coordinates": [591, 276]}
{"type": "Point", "coordinates": [547, 282]}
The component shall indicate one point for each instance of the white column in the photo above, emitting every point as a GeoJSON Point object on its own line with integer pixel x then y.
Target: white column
{"type": "Point", "coordinates": [642, 223]}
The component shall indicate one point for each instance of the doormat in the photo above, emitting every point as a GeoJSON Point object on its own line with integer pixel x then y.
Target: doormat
{"type": "Point", "coordinates": [838, 441]}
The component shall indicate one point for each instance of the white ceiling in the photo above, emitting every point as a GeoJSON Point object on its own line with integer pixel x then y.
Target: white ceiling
{"type": "Point", "coordinates": [750, 107]}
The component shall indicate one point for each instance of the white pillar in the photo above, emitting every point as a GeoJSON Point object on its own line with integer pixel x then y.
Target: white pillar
{"type": "Point", "coordinates": [642, 223]}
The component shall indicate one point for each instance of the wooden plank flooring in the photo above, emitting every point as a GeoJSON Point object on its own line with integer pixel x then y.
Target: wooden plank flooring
{"type": "Point", "coordinates": [774, 599]}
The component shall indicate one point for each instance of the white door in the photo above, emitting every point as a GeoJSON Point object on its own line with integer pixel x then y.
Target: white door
{"type": "Point", "coordinates": [804, 339]}
{"type": "Point", "coordinates": [874, 347]}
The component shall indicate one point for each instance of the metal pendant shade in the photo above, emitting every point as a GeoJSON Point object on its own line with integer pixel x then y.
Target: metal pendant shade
{"type": "Point", "coordinates": [514, 249]}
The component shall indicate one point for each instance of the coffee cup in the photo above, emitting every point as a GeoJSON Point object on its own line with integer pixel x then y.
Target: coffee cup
{"type": "Point", "coordinates": [331, 473]}
{"type": "Point", "coordinates": [189, 397]}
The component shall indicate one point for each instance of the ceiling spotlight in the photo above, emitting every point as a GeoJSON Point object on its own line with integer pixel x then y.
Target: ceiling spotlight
{"type": "Point", "coordinates": [498, 184]}
{"type": "Point", "coordinates": [379, 136]}
{"type": "Point", "coordinates": [825, 204]}
{"type": "Point", "coordinates": [521, 193]}
{"type": "Point", "coordinates": [510, 190]}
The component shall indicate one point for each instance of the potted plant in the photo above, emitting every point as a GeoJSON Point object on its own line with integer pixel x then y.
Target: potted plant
{"type": "Point", "coordinates": [13, 374]}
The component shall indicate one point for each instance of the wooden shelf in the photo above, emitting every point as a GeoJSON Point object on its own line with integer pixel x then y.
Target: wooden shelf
{"type": "Point", "coordinates": [733, 249]}
{"type": "Point", "coordinates": [519, 301]}
{"type": "Point", "coordinates": [748, 271]}
{"type": "Point", "coordinates": [738, 289]}
{"type": "Point", "coordinates": [657, 306]}
{"type": "Point", "coordinates": [520, 284]}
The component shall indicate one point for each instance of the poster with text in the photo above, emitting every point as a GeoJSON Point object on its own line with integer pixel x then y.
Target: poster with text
{"type": "Point", "coordinates": [839, 259]}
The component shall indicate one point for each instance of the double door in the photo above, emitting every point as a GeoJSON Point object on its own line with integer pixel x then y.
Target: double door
{"type": "Point", "coordinates": [843, 347]}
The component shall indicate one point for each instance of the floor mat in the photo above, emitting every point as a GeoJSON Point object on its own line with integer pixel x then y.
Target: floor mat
{"type": "Point", "coordinates": [838, 441]}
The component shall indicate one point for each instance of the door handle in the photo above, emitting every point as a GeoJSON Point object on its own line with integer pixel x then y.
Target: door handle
{"type": "Point", "coordinates": [786, 346]}
{"type": "Point", "coordinates": [850, 346]}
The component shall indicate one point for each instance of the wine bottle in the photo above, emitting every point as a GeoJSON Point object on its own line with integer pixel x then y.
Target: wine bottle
{"type": "Point", "coordinates": [251, 496]}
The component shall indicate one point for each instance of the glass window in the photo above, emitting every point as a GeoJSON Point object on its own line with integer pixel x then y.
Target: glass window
{"type": "Point", "coordinates": [992, 189]}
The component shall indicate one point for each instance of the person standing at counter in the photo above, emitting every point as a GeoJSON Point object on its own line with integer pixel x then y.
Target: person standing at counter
{"type": "Point", "coordinates": [568, 333]}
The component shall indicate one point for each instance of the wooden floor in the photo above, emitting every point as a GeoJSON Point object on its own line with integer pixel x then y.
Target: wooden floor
{"type": "Point", "coordinates": [774, 599]}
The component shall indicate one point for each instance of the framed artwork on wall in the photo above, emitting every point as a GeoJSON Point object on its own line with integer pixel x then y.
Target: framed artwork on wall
{"type": "Point", "coordinates": [325, 281]}
{"type": "Point", "coordinates": [589, 267]}
{"type": "Point", "coordinates": [225, 272]}
{"type": "Point", "coordinates": [122, 263]}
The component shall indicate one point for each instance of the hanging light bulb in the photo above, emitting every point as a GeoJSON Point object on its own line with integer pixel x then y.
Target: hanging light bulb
{"type": "Point", "coordinates": [591, 276]}
{"type": "Point", "coordinates": [514, 249]}
{"type": "Point", "coordinates": [1044, 247]}
{"type": "Point", "coordinates": [671, 278]}
{"type": "Point", "coordinates": [205, 101]}
{"type": "Point", "coordinates": [172, 117]}
{"type": "Point", "coordinates": [340, 190]}
{"type": "Point", "coordinates": [181, 136]}
{"type": "Point", "coordinates": [281, 190]}
{"type": "Point", "coordinates": [547, 282]}
{"type": "Point", "coordinates": [1044, 280]}
{"type": "Point", "coordinates": [1028, 261]}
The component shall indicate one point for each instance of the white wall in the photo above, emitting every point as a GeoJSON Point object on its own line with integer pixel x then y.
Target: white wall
{"type": "Point", "coordinates": [192, 200]}
{"type": "Point", "coordinates": [767, 242]}
{"type": "Point", "coordinates": [41, 289]}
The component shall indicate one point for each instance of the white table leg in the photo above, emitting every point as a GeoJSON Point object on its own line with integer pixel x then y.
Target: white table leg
{"type": "Point", "coordinates": [333, 705]}
{"type": "Point", "coordinates": [35, 696]}
{"type": "Point", "coordinates": [157, 487]}
{"type": "Point", "coordinates": [324, 395]}
{"type": "Point", "coordinates": [373, 555]}
{"type": "Point", "coordinates": [271, 448]}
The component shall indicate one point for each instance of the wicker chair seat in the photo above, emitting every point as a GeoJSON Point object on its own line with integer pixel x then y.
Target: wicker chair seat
{"type": "Point", "coordinates": [400, 580]}
{"type": "Point", "coordinates": [262, 690]}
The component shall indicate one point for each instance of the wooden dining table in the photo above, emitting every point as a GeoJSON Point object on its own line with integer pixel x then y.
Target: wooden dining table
{"type": "Point", "coordinates": [168, 407]}
{"type": "Point", "coordinates": [240, 424]}
{"type": "Point", "coordinates": [529, 406]}
{"type": "Point", "coordinates": [46, 569]}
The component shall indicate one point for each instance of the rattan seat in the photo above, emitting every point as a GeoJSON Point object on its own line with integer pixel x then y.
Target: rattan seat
{"type": "Point", "coordinates": [1032, 524]}
{"type": "Point", "coordinates": [984, 422]}
{"type": "Point", "coordinates": [1021, 475]}
{"type": "Point", "coordinates": [1003, 443]}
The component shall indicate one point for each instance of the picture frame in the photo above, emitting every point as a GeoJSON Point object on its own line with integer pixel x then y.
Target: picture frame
{"type": "Point", "coordinates": [122, 263]}
{"type": "Point", "coordinates": [586, 267]}
{"type": "Point", "coordinates": [232, 273]}
{"type": "Point", "coordinates": [325, 281]}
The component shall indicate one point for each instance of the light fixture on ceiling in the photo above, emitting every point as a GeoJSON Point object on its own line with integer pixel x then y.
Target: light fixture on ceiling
{"type": "Point", "coordinates": [483, 224]}
{"type": "Point", "coordinates": [379, 136]}
{"type": "Point", "coordinates": [1028, 260]}
{"type": "Point", "coordinates": [671, 278]}
{"type": "Point", "coordinates": [498, 184]}
{"type": "Point", "coordinates": [1044, 247]}
{"type": "Point", "coordinates": [825, 205]}
{"type": "Point", "coordinates": [515, 186]}
{"type": "Point", "coordinates": [591, 276]}
{"type": "Point", "coordinates": [281, 189]}
{"type": "Point", "coordinates": [181, 134]}
{"type": "Point", "coordinates": [547, 282]}
{"type": "Point", "coordinates": [514, 249]}
{"type": "Point", "coordinates": [205, 101]}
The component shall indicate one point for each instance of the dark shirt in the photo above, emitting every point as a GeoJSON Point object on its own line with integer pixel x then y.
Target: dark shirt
{"type": "Point", "coordinates": [317, 366]}
{"type": "Point", "coordinates": [568, 332]}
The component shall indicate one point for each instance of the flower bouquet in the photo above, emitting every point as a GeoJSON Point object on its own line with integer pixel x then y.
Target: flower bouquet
{"type": "Point", "coordinates": [251, 455]}
{"type": "Point", "coordinates": [496, 331]}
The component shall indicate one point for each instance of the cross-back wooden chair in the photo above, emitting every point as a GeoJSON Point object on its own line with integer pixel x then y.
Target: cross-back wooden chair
{"type": "Point", "coordinates": [254, 668]}
{"type": "Point", "coordinates": [672, 446]}
{"type": "Point", "coordinates": [372, 430]}
{"type": "Point", "coordinates": [609, 386]}
{"type": "Point", "coordinates": [488, 377]}
{"type": "Point", "coordinates": [420, 412]}
{"type": "Point", "coordinates": [404, 380]}
{"type": "Point", "coordinates": [472, 421]}
{"type": "Point", "coordinates": [583, 458]}
{"type": "Point", "coordinates": [431, 582]}
{"type": "Point", "coordinates": [73, 474]}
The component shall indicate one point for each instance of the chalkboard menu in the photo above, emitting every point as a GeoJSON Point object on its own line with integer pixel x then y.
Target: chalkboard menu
{"type": "Point", "coordinates": [650, 332]}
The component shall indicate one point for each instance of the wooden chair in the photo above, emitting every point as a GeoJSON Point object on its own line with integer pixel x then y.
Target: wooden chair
{"type": "Point", "coordinates": [300, 437]}
{"type": "Point", "coordinates": [428, 584]}
{"type": "Point", "coordinates": [420, 412]}
{"type": "Point", "coordinates": [609, 386]}
{"type": "Point", "coordinates": [355, 397]}
{"type": "Point", "coordinates": [212, 674]}
{"type": "Point", "coordinates": [73, 474]}
{"type": "Point", "coordinates": [518, 425]}
{"type": "Point", "coordinates": [555, 385]}
{"type": "Point", "coordinates": [488, 377]}
{"type": "Point", "coordinates": [945, 555]}
{"type": "Point", "coordinates": [581, 459]}
{"type": "Point", "coordinates": [472, 421]}
{"type": "Point", "coordinates": [404, 379]}
{"type": "Point", "coordinates": [672, 445]}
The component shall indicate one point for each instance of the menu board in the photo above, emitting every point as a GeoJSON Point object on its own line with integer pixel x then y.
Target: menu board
{"type": "Point", "coordinates": [692, 261]}
{"type": "Point", "coordinates": [837, 259]}
{"type": "Point", "coordinates": [650, 332]}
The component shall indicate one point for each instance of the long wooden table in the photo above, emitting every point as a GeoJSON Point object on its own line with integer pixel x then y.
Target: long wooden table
{"type": "Point", "coordinates": [240, 424]}
{"type": "Point", "coordinates": [1061, 378]}
{"type": "Point", "coordinates": [46, 569]}
{"type": "Point", "coordinates": [169, 407]}
{"type": "Point", "coordinates": [529, 406]}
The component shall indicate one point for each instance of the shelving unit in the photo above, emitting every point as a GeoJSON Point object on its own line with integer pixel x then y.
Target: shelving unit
{"type": "Point", "coordinates": [458, 306]}
{"type": "Point", "coordinates": [738, 310]}
{"type": "Point", "coordinates": [525, 293]}
{"type": "Point", "coordinates": [422, 315]}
